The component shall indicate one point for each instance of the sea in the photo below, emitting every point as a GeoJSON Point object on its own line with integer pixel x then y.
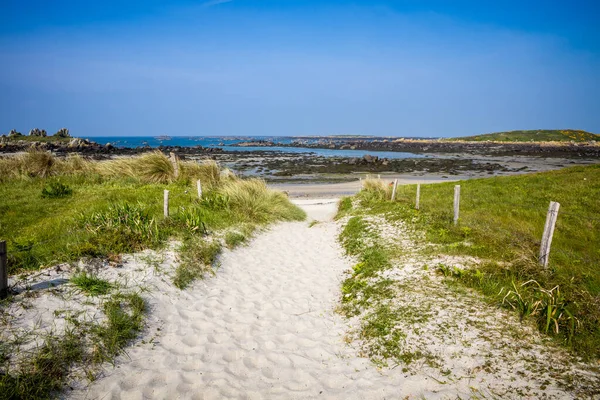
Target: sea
{"type": "Point", "coordinates": [227, 142]}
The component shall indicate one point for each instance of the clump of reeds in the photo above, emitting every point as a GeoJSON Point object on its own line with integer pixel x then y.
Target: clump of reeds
{"type": "Point", "coordinates": [252, 200]}
{"type": "Point", "coordinates": [376, 189]}
{"type": "Point", "coordinates": [152, 167]}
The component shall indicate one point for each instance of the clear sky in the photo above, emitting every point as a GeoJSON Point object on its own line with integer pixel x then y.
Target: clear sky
{"type": "Point", "coordinates": [288, 67]}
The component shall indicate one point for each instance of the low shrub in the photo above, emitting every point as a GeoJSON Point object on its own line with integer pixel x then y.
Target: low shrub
{"type": "Point", "coordinates": [56, 190]}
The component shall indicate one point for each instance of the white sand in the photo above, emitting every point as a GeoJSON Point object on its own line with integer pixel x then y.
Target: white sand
{"type": "Point", "coordinates": [263, 327]}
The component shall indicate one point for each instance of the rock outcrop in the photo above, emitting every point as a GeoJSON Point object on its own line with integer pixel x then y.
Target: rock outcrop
{"type": "Point", "coordinates": [62, 133]}
{"type": "Point", "coordinates": [38, 132]}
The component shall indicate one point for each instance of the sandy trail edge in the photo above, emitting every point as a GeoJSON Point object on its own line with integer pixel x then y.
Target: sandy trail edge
{"type": "Point", "coordinates": [263, 327]}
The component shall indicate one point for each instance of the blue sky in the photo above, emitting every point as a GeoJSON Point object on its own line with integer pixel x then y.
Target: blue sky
{"type": "Point", "coordinates": [287, 67]}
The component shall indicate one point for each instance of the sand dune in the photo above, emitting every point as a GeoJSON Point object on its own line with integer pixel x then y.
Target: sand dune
{"type": "Point", "coordinates": [265, 327]}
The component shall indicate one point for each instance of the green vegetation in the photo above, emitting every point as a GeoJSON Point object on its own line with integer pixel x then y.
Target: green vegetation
{"type": "Point", "coordinates": [81, 345]}
{"type": "Point", "coordinates": [56, 190]}
{"type": "Point", "coordinates": [234, 239]}
{"type": "Point", "coordinates": [41, 139]}
{"type": "Point", "coordinates": [90, 284]}
{"type": "Point", "coordinates": [501, 222]}
{"type": "Point", "coordinates": [540, 135]}
{"type": "Point", "coordinates": [367, 295]}
{"type": "Point", "coordinates": [197, 257]}
{"type": "Point", "coordinates": [116, 206]}
{"type": "Point", "coordinates": [103, 209]}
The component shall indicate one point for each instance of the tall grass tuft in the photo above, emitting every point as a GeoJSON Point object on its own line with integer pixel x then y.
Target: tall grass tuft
{"type": "Point", "coordinates": [207, 171]}
{"type": "Point", "coordinates": [252, 200]}
{"type": "Point", "coordinates": [152, 167]}
{"type": "Point", "coordinates": [38, 163]}
{"type": "Point", "coordinates": [375, 190]}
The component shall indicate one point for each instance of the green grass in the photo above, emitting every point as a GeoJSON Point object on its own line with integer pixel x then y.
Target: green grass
{"type": "Point", "coordinates": [540, 135]}
{"type": "Point", "coordinates": [60, 210]}
{"type": "Point", "coordinates": [124, 314]}
{"type": "Point", "coordinates": [501, 222]}
{"type": "Point", "coordinates": [42, 139]}
{"type": "Point", "coordinates": [110, 214]}
{"type": "Point", "coordinates": [234, 239]}
{"type": "Point", "coordinates": [90, 284]}
{"type": "Point", "coordinates": [197, 258]}
{"type": "Point", "coordinates": [84, 346]}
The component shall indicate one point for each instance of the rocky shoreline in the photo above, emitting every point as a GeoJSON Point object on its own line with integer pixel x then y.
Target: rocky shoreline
{"type": "Point", "coordinates": [89, 148]}
{"type": "Point", "coordinates": [545, 149]}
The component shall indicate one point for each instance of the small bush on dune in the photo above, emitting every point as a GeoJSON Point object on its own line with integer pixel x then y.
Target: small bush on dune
{"type": "Point", "coordinates": [208, 172]}
{"type": "Point", "coordinates": [375, 189]}
{"type": "Point", "coordinates": [122, 228]}
{"type": "Point", "coordinates": [197, 257]}
{"type": "Point", "coordinates": [55, 190]}
{"type": "Point", "coordinates": [38, 163]}
{"type": "Point", "coordinates": [153, 167]}
{"type": "Point", "coordinates": [252, 200]}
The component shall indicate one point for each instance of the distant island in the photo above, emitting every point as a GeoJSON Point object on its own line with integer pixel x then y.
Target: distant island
{"type": "Point", "coordinates": [539, 135]}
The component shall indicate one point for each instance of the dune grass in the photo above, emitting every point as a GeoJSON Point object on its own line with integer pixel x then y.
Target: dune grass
{"type": "Point", "coordinates": [90, 284]}
{"type": "Point", "coordinates": [501, 222]}
{"type": "Point", "coordinates": [86, 346]}
{"type": "Point", "coordinates": [116, 206]}
{"type": "Point", "coordinates": [60, 210]}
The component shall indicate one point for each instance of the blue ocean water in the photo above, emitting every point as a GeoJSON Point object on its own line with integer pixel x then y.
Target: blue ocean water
{"type": "Point", "coordinates": [226, 144]}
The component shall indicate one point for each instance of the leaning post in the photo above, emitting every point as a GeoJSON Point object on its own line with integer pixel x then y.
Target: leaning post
{"type": "Point", "coordinates": [548, 233]}
{"type": "Point", "coordinates": [394, 189]}
{"type": "Point", "coordinates": [3, 271]}
{"type": "Point", "coordinates": [456, 203]}
{"type": "Point", "coordinates": [175, 165]}
{"type": "Point", "coordinates": [166, 204]}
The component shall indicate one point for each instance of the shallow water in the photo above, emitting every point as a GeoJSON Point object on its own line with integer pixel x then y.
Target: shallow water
{"type": "Point", "coordinates": [226, 144]}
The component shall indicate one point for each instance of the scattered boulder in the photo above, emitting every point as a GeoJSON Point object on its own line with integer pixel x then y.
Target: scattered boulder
{"type": "Point", "coordinates": [75, 142]}
{"type": "Point", "coordinates": [14, 133]}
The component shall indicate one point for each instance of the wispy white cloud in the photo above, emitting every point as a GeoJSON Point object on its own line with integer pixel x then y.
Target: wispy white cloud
{"type": "Point", "coordinates": [212, 3]}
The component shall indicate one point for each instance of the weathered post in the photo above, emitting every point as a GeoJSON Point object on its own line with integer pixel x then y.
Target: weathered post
{"type": "Point", "coordinates": [378, 176]}
{"type": "Point", "coordinates": [166, 204]}
{"type": "Point", "coordinates": [394, 189]}
{"type": "Point", "coordinates": [3, 271]}
{"type": "Point", "coordinates": [199, 186]}
{"type": "Point", "coordinates": [548, 233]}
{"type": "Point", "coordinates": [456, 203]}
{"type": "Point", "coordinates": [418, 196]}
{"type": "Point", "coordinates": [175, 165]}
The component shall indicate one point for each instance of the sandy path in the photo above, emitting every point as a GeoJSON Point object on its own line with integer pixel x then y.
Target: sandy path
{"type": "Point", "coordinates": [263, 327]}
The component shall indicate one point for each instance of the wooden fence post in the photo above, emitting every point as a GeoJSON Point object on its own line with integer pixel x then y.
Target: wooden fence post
{"type": "Point", "coordinates": [394, 189]}
{"type": "Point", "coordinates": [418, 196]}
{"type": "Point", "coordinates": [378, 176]}
{"type": "Point", "coordinates": [175, 165]}
{"type": "Point", "coordinates": [3, 271]}
{"type": "Point", "coordinates": [166, 204]}
{"type": "Point", "coordinates": [548, 233]}
{"type": "Point", "coordinates": [456, 203]}
{"type": "Point", "coordinates": [199, 186]}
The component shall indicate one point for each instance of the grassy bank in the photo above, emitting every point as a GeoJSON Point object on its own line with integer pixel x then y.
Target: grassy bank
{"type": "Point", "coordinates": [540, 135]}
{"type": "Point", "coordinates": [56, 211]}
{"type": "Point", "coordinates": [61, 210]}
{"type": "Point", "coordinates": [501, 222]}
